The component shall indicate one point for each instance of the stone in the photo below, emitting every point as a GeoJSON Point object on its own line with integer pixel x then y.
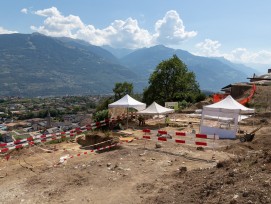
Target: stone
{"type": "Point", "coordinates": [158, 145]}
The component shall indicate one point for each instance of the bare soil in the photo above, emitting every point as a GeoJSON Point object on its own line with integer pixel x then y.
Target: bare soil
{"type": "Point", "coordinates": [142, 171]}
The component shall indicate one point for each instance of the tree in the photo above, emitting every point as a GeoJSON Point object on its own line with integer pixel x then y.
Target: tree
{"type": "Point", "coordinates": [103, 103]}
{"type": "Point", "coordinates": [171, 81]}
{"type": "Point", "coordinates": [121, 89]}
{"type": "Point", "coordinates": [101, 115]}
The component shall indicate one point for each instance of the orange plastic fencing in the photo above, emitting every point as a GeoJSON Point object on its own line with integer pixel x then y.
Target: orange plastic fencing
{"type": "Point", "coordinates": [246, 100]}
{"type": "Point", "coordinates": [219, 97]}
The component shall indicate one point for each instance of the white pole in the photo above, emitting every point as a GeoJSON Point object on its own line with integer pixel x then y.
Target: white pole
{"type": "Point", "coordinates": [127, 116]}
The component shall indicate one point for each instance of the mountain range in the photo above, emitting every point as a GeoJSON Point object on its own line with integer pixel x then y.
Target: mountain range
{"type": "Point", "coordinates": [37, 65]}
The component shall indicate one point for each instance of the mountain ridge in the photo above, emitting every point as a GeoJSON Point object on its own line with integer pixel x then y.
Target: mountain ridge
{"type": "Point", "coordinates": [212, 74]}
{"type": "Point", "coordinates": [38, 65]}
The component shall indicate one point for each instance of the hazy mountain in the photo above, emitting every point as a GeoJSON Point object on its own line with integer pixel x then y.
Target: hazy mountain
{"type": "Point", "coordinates": [261, 68]}
{"type": "Point", "coordinates": [212, 74]}
{"type": "Point", "coordinates": [37, 65]}
{"type": "Point", "coordinates": [83, 45]}
{"type": "Point", "coordinates": [118, 52]}
{"type": "Point", "coordinates": [240, 67]}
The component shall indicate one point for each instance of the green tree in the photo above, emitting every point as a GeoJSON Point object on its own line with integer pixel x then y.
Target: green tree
{"type": "Point", "coordinates": [171, 81]}
{"type": "Point", "coordinates": [121, 89]}
{"type": "Point", "coordinates": [103, 103]}
{"type": "Point", "coordinates": [101, 115]}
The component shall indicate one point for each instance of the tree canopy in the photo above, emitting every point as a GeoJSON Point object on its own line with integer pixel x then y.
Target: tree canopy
{"type": "Point", "coordinates": [171, 81]}
{"type": "Point", "coordinates": [121, 89]}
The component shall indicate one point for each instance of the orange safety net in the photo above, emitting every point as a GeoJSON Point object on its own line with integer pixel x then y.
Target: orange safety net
{"type": "Point", "coordinates": [246, 100]}
{"type": "Point", "coordinates": [219, 97]}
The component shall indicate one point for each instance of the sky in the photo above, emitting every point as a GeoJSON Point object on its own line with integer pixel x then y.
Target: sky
{"type": "Point", "coordinates": [238, 30]}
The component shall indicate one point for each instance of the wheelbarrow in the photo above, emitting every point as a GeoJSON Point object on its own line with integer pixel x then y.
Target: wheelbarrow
{"type": "Point", "coordinates": [248, 137]}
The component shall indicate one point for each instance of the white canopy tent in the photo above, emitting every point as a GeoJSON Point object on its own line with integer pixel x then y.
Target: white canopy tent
{"type": "Point", "coordinates": [227, 112]}
{"type": "Point", "coordinates": [156, 109]}
{"type": "Point", "coordinates": [128, 102]}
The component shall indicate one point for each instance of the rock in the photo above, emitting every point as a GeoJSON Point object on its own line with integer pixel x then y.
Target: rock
{"type": "Point", "coordinates": [231, 174]}
{"type": "Point", "coordinates": [219, 165]}
{"type": "Point", "coordinates": [245, 194]}
{"type": "Point", "coordinates": [158, 145]}
{"type": "Point", "coordinates": [108, 164]}
{"type": "Point", "coordinates": [233, 201]}
{"type": "Point", "coordinates": [200, 149]}
{"type": "Point", "coordinates": [182, 169]}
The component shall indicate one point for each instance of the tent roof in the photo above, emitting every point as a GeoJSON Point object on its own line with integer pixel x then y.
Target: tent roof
{"type": "Point", "coordinates": [128, 102]}
{"type": "Point", "coordinates": [155, 108]}
{"type": "Point", "coordinates": [230, 105]}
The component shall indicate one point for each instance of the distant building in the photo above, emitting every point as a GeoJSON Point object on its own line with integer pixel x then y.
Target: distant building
{"type": "Point", "coordinates": [48, 120]}
{"type": "Point", "coordinates": [264, 79]}
{"type": "Point", "coordinates": [236, 90]}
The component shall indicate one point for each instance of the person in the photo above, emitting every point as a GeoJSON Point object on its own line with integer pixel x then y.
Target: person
{"type": "Point", "coordinates": [167, 120]}
{"type": "Point", "coordinates": [140, 120]}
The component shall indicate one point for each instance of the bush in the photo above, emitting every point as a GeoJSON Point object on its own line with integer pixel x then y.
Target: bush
{"type": "Point", "coordinates": [101, 115]}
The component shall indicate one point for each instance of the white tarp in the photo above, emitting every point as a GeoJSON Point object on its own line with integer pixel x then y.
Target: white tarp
{"type": "Point", "coordinates": [128, 102]}
{"type": "Point", "coordinates": [156, 109]}
{"type": "Point", "coordinates": [228, 105]}
{"type": "Point", "coordinates": [227, 108]}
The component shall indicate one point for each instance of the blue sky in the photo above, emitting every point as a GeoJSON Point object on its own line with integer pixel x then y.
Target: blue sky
{"type": "Point", "coordinates": [238, 30]}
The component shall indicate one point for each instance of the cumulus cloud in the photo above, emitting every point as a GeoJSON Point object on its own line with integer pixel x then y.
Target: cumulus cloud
{"type": "Point", "coordinates": [211, 48]}
{"type": "Point", "coordinates": [24, 10]}
{"type": "Point", "coordinates": [58, 25]}
{"type": "Point", "coordinates": [171, 30]}
{"type": "Point", "coordinates": [243, 55]}
{"type": "Point", "coordinates": [4, 31]}
{"type": "Point", "coordinates": [53, 11]}
{"type": "Point", "coordinates": [208, 48]}
{"type": "Point", "coordinates": [120, 33]}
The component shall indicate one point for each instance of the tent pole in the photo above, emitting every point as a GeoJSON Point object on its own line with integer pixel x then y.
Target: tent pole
{"type": "Point", "coordinates": [158, 121]}
{"type": "Point", "coordinates": [127, 117]}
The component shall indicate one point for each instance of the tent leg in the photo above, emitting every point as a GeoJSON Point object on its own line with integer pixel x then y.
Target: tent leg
{"type": "Point", "coordinates": [127, 117]}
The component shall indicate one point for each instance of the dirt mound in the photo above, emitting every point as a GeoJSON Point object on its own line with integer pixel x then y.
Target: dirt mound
{"type": "Point", "coordinates": [242, 180]}
{"type": "Point", "coordinates": [94, 140]}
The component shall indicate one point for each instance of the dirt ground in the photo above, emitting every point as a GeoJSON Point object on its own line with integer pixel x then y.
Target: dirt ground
{"type": "Point", "coordinates": [143, 171]}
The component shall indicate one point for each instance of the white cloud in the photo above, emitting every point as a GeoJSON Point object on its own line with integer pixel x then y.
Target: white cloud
{"type": "Point", "coordinates": [58, 25]}
{"type": "Point", "coordinates": [127, 33]}
{"type": "Point", "coordinates": [120, 33]}
{"type": "Point", "coordinates": [4, 31]}
{"type": "Point", "coordinates": [211, 48]}
{"type": "Point", "coordinates": [242, 55]}
{"type": "Point", "coordinates": [171, 30]}
{"type": "Point", "coordinates": [53, 11]}
{"type": "Point", "coordinates": [24, 10]}
{"type": "Point", "coordinates": [208, 48]}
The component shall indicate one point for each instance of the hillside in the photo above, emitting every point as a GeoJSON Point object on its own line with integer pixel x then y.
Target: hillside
{"type": "Point", "coordinates": [37, 65]}
{"type": "Point", "coordinates": [212, 74]}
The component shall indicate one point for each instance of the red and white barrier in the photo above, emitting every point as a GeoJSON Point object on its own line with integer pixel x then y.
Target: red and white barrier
{"type": "Point", "coordinates": [187, 138]}
{"type": "Point", "coordinates": [49, 137]}
{"type": "Point", "coordinates": [92, 151]}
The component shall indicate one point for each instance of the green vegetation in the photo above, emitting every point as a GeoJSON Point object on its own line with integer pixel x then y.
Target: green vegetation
{"type": "Point", "coordinates": [171, 81]}
{"type": "Point", "coordinates": [101, 115]}
{"type": "Point", "coordinates": [121, 89]}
